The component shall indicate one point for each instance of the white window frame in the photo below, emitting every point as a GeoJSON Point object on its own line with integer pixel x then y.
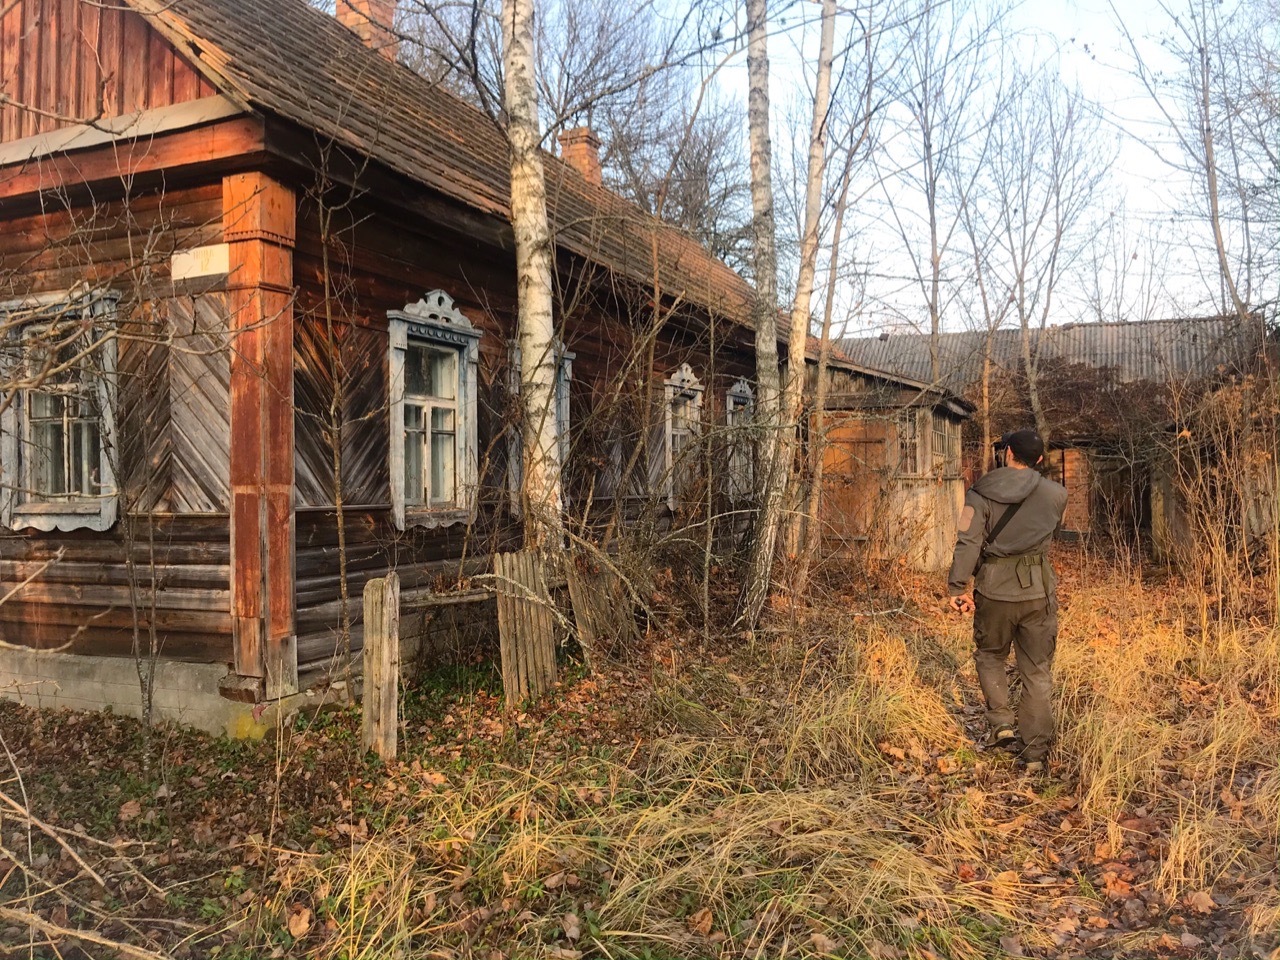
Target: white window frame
{"type": "Point", "coordinates": [682, 386]}
{"type": "Point", "coordinates": [515, 437]}
{"type": "Point", "coordinates": [435, 323]}
{"type": "Point", "coordinates": [739, 413]}
{"type": "Point", "coordinates": [922, 433]}
{"type": "Point", "coordinates": [20, 508]}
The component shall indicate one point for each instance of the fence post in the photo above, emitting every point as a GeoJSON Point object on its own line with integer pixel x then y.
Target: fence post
{"type": "Point", "coordinates": [381, 665]}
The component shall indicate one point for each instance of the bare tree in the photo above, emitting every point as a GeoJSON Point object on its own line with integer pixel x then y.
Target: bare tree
{"type": "Point", "coordinates": [798, 341]}
{"type": "Point", "coordinates": [1221, 103]}
{"type": "Point", "coordinates": [634, 73]}
{"type": "Point", "coordinates": [942, 100]}
{"type": "Point", "coordinates": [1046, 164]}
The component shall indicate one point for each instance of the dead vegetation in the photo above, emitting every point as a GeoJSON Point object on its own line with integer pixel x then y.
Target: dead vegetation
{"type": "Point", "coordinates": [815, 795]}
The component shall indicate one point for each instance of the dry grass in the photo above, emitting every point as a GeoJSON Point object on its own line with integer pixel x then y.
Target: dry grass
{"type": "Point", "coordinates": [838, 811]}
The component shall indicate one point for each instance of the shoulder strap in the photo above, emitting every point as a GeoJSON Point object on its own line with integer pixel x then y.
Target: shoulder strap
{"type": "Point", "coordinates": [1009, 513]}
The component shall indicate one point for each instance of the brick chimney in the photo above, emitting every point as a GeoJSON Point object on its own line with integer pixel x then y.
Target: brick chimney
{"type": "Point", "coordinates": [581, 150]}
{"type": "Point", "coordinates": [373, 22]}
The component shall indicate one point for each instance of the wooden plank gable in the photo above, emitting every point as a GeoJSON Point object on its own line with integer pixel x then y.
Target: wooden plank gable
{"type": "Point", "coordinates": [70, 62]}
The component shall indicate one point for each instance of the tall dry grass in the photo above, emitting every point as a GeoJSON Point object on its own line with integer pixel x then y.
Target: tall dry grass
{"type": "Point", "coordinates": [832, 806]}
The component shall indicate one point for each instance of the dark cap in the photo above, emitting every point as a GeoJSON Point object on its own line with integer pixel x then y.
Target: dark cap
{"type": "Point", "coordinates": [1025, 444]}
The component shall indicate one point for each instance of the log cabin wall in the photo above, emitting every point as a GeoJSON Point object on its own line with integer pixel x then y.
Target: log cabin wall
{"type": "Point", "coordinates": [375, 262]}
{"type": "Point", "coordinates": [64, 62]}
{"type": "Point", "coordinates": [169, 548]}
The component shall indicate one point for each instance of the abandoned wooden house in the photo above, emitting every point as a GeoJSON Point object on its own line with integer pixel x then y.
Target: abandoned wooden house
{"type": "Point", "coordinates": [257, 292]}
{"type": "Point", "coordinates": [1109, 392]}
{"type": "Point", "coordinates": [892, 486]}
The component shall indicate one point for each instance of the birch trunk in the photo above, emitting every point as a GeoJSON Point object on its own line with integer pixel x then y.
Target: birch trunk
{"type": "Point", "coordinates": [798, 342]}
{"type": "Point", "coordinates": [771, 475]}
{"type": "Point", "coordinates": [540, 486]}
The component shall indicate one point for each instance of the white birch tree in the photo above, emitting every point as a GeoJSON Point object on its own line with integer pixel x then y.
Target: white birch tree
{"type": "Point", "coordinates": [772, 475]}
{"type": "Point", "coordinates": [798, 340]}
{"type": "Point", "coordinates": [540, 481]}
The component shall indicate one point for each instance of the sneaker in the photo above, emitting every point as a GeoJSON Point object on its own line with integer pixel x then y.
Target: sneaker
{"type": "Point", "coordinates": [1035, 767]}
{"type": "Point", "coordinates": [1001, 737]}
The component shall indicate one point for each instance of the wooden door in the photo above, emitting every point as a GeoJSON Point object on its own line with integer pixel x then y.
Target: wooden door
{"type": "Point", "coordinates": [855, 468]}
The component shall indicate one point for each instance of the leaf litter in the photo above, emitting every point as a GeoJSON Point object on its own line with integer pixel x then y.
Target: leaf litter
{"type": "Point", "coordinates": [820, 795]}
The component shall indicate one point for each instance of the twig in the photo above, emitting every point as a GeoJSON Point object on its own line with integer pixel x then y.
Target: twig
{"type": "Point", "coordinates": [52, 834]}
{"type": "Point", "coordinates": [53, 930]}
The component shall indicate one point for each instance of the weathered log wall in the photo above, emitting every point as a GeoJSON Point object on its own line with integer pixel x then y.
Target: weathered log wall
{"type": "Point", "coordinates": [168, 555]}
{"type": "Point", "coordinates": [375, 262]}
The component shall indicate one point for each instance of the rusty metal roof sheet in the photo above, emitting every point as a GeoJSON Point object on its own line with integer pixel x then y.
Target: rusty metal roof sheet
{"type": "Point", "coordinates": [286, 58]}
{"type": "Point", "coordinates": [1154, 350]}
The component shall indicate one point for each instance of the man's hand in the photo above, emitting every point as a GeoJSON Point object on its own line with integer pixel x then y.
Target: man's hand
{"type": "Point", "coordinates": [962, 603]}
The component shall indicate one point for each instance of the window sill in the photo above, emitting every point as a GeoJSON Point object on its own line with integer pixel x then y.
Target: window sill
{"type": "Point", "coordinates": [436, 517]}
{"type": "Point", "coordinates": [69, 508]}
{"type": "Point", "coordinates": [64, 517]}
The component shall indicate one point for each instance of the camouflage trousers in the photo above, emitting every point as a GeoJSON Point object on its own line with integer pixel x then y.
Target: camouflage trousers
{"type": "Point", "coordinates": [1030, 627]}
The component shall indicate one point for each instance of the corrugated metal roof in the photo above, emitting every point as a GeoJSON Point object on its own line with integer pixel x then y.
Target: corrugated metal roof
{"type": "Point", "coordinates": [1155, 350]}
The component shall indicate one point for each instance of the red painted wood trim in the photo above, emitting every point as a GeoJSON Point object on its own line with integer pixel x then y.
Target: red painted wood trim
{"type": "Point", "coordinates": [171, 152]}
{"type": "Point", "coordinates": [260, 224]}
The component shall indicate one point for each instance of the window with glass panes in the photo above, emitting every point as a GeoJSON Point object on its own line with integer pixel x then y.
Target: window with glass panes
{"type": "Point", "coordinates": [676, 467]}
{"type": "Point", "coordinates": [430, 425]}
{"type": "Point", "coordinates": [909, 443]}
{"type": "Point", "coordinates": [739, 407]}
{"type": "Point", "coordinates": [684, 432]}
{"type": "Point", "coordinates": [433, 365]}
{"type": "Point", "coordinates": [62, 447]}
{"type": "Point", "coordinates": [938, 446]}
{"type": "Point", "coordinates": [953, 449]}
{"type": "Point", "coordinates": [56, 430]}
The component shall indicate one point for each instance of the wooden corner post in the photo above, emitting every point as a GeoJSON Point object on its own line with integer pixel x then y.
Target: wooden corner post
{"type": "Point", "coordinates": [259, 217]}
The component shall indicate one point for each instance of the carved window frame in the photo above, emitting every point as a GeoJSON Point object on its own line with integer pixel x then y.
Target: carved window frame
{"type": "Point", "coordinates": [739, 415]}
{"type": "Point", "coordinates": [682, 387]}
{"type": "Point", "coordinates": [436, 323]}
{"type": "Point", "coordinates": [515, 434]}
{"type": "Point", "coordinates": [20, 509]}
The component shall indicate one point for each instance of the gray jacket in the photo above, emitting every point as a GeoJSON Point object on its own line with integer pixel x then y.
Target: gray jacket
{"type": "Point", "coordinates": [1015, 566]}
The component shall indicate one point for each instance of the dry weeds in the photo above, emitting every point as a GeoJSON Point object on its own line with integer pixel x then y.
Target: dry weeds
{"type": "Point", "coordinates": [820, 795]}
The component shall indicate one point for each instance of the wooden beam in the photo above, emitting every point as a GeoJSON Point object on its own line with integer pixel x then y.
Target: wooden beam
{"type": "Point", "coordinates": [184, 151]}
{"type": "Point", "coordinates": [259, 217]}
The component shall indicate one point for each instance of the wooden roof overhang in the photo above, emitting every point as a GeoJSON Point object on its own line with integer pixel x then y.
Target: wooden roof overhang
{"type": "Point", "coordinates": [167, 146]}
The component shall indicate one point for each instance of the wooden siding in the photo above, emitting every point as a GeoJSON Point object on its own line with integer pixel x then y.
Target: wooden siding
{"type": "Point", "coordinates": [173, 438]}
{"type": "Point", "coordinates": [174, 402]}
{"type": "Point", "coordinates": [123, 243]}
{"type": "Point", "coordinates": [86, 598]}
{"type": "Point", "coordinates": [200, 405]}
{"type": "Point", "coordinates": [381, 262]}
{"type": "Point", "coordinates": [65, 62]}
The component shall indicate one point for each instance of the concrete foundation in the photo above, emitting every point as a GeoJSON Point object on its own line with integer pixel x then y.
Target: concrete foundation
{"type": "Point", "coordinates": [185, 693]}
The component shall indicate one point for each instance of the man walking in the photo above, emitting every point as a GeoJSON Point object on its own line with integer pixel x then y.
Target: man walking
{"type": "Point", "coordinates": [1009, 518]}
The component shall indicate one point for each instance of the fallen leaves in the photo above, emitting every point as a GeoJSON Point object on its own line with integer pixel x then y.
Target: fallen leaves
{"type": "Point", "coordinates": [700, 922]}
{"type": "Point", "coordinates": [571, 925]}
{"type": "Point", "coordinates": [299, 921]}
{"type": "Point", "coordinates": [1012, 945]}
{"type": "Point", "coordinates": [1200, 901]}
{"type": "Point", "coordinates": [823, 944]}
{"type": "Point", "coordinates": [130, 811]}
